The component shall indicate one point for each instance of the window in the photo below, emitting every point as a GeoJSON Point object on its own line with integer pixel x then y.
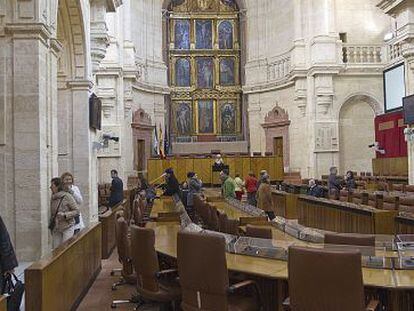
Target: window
{"type": "Point", "coordinates": [204, 62]}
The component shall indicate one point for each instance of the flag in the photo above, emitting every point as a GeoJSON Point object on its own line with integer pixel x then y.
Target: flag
{"type": "Point", "coordinates": [156, 146]}
{"type": "Point", "coordinates": [167, 145]}
{"type": "Point", "coordinates": [161, 144]}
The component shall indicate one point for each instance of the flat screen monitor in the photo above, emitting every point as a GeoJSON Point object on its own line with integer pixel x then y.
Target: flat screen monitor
{"type": "Point", "coordinates": [408, 108]}
{"type": "Point", "coordinates": [394, 87]}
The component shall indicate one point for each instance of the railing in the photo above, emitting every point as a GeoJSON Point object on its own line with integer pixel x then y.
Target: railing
{"type": "Point", "coordinates": [394, 51]}
{"type": "Point", "coordinates": [362, 54]}
{"type": "Point", "coordinates": [279, 68]}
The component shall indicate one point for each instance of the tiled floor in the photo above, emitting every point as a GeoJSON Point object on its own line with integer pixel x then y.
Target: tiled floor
{"type": "Point", "coordinates": [100, 295]}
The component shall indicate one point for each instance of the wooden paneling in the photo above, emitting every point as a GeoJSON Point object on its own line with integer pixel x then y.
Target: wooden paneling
{"type": "Point", "coordinates": [108, 229]}
{"type": "Point", "coordinates": [336, 216]}
{"type": "Point", "coordinates": [285, 204]}
{"type": "Point", "coordinates": [390, 166]}
{"type": "Point", "coordinates": [202, 166]}
{"type": "Point", "coordinates": [60, 280]}
{"type": "Point", "coordinates": [3, 303]}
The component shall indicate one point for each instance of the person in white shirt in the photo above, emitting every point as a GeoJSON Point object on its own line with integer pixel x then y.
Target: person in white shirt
{"type": "Point", "coordinates": [68, 185]}
{"type": "Point", "coordinates": [239, 187]}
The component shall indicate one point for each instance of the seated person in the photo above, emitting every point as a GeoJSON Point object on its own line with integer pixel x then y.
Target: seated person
{"type": "Point", "coordinates": [218, 163]}
{"type": "Point", "coordinates": [172, 186]}
{"type": "Point", "coordinates": [314, 189]}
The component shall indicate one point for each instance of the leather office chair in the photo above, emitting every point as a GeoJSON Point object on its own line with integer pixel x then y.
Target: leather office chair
{"type": "Point", "coordinates": [204, 277]}
{"type": "Point", "coordinates": [325, 280]}
{"type": "Point", "coordinates": [232, 226]}
{"type": "Point", "coordinates": [350, 239]}
{"type": "Point", "coordinates": [153, 285]}
{"type": "Point", "coordinates": [124, 250]}
{"type": "Point", "coordinates": [259, 232]}
{"type": "Point", "coordinates": [223, 219]}
{"type": "Point", "coordinates": [214, 221]}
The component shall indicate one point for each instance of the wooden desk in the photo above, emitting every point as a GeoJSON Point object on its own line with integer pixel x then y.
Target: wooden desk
{"type": "Point", "coordinates": [404, 224]}
{"type": "Point", "coordinates": [60, 280]}
{"type": "Point", "coordinates": [3, 303]}
{"type": "Point", "coordinates": [164, 209]}
{"type": "Point", "coordinates": [396, 285]}
{"type": "Point", "coordinates": [234, 213]}
{"type": "Point", "coordinates": [337, 216]}
{"type": "Point", "coordinates": [285, 204]}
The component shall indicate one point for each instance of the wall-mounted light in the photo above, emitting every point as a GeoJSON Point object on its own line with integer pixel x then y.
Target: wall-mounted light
{"type": "Point", "coordinates": [388, 36]}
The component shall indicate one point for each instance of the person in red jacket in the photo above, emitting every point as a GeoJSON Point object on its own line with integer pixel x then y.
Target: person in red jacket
{"type": "Point", "coordinates": [250, 184]}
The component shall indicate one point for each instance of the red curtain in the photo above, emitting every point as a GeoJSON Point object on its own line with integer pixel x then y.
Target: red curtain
{"type": "Point", "coordinates": [389, 133]}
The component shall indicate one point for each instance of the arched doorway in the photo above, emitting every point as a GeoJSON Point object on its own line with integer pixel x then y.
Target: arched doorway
{"type": "Point", "coordinates": [356, 133]}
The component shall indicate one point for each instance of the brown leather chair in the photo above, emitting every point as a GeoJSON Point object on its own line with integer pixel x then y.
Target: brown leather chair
{"type": "Point", "coordinates": [232, 226]}
{"type": "Point", "coordinates": [223, 219]}
{"type": "Point", "coordinates": [153, 285]}
{"type": "Point", "coordinates": [325, 280]}
{"type": "Point", "coordinates": [406, 204]}
{"type": "Point", "coordinates": [214, 221]}
{"type": "Point", "coordinates": [209, 289]}
{"type": "Point", "coordinates": [259, 232]}
{"type": "Point", "coordinates": [350, 239]}
{"type": "Point", "coordinates": [124, 255]}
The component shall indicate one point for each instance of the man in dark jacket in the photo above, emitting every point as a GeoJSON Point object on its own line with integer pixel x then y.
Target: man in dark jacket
{"type": "Point", "coordinates": [334, 184]}
{"type": "Point", "coordinates": [8, 260]}
{"type": "Point", "coordinates": [117, 189]}
{"type": "Point", "coordinates": [314, 189]}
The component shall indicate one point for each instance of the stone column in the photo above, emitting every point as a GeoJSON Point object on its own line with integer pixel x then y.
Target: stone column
{"type": "Point", "coordinates": [32, 63]}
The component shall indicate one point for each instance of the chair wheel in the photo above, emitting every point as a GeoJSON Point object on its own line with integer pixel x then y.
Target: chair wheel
{"type": "Point", "coordinates": [113, 306]}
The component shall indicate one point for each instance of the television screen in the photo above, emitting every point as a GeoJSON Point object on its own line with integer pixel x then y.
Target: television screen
{"type": "Point", "coordinates": [95, 112]}
{"type": "Point", "coordinates": [408, 108]}
{"type": "Point", "coordinates": [394, 87]}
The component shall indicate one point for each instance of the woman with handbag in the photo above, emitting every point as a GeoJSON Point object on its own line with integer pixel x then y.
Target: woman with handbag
{"type": "Point", "coordinates": [63, 212]}
{"type": "Point", "coordinates": [68, 186]}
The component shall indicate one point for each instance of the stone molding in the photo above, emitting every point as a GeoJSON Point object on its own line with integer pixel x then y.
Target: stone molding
{"type": "Point", "coordinates": [80, 85]}
{"type": "Point", "coordinates": [26, 31]}
{"type": "Point", "coordinates": [142, 120]}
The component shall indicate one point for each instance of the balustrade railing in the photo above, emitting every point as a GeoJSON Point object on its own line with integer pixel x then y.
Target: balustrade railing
{"type": "Point", "coordinates": [362, 54]}
{"type": "Point", "coordinates": [279, 68]}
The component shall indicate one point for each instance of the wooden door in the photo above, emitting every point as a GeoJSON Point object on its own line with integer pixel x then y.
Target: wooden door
{"type": "Point", "coordinates": [278, 147]}
{"type": "Point", "coordinates": [140, 162]}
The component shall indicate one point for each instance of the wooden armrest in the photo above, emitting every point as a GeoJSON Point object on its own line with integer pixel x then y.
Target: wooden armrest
{"type": "Point", "coordinates": [286, 304]}
{"type": "Point", "coordinates": [167, 273]}
{"type": "Point", "coordinates": [372, 305]}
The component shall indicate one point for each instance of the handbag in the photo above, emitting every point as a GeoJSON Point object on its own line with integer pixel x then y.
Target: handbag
{"type": "Point", "coordinates": [13, 289]}
{"type": "Point", "coordinates": [52, 222]}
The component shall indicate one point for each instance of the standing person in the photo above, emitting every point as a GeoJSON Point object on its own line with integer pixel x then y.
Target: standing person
{"type": "Point", "coordinates": [350, 183]}
{"type": "Point", "coordinates": [239, 187]}
{"type": "Point", "coordinates": [228, 186]}
{"type": "Point", "coordinates": [172, 185]}
{"type": "Point", "coordinates": [264, 197]}
{"type": "Point", "coordinates": [8, 260]}
{"type": "Point", "coordinates": [63, 210]}
{"type": "Point", "coordinates": [117, 189]}
{"type": "Point", "coordinates": [262, 174]}
{"type": "Point", "coordinates": [68, 185]}
{"type": "Point", "coordinates": [334, 185]}
{"type": "Point", "coordinates": [194, 187]}
{"type": "Point", "coordinates": [251, 188]}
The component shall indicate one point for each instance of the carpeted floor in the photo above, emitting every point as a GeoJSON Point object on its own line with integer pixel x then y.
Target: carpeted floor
{"type": "Point", "coordinates": [100, 295]}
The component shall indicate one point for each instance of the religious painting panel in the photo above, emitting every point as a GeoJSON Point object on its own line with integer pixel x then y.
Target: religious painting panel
{"type": "Point", "coordinates": [228, 118]}
{"type": "Point", "coordinates": [227, 71]}
{"type": "Point", "coordinates": [182, 72]}
{"type": "Point", "coordinates": [225, 34]}
{"type": "Point", "coordinates": [205, 116]}
{"type": "Point", "coordinates": [204, 34]}
{"type": "Point", "coordinates": [183, 116]}
{"type": "Point", "coordinates": [182, 34]}
{"type": "Point", "coordinates": [205, 72]}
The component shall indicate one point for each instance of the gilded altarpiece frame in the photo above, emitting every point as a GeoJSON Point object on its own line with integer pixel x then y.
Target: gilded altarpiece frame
{"type": "Point", "coordinates": [224, 89]}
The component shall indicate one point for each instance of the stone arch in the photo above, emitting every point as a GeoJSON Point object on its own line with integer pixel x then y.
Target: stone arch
{"type": "Point", "coordinates": [357, 131]}
{"type": "Point", "coordinates": [71, 33]}
{"type": "Point", "coordinates": [276, 126]}
{"type": "Point", "coordinates": [370, 99]}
